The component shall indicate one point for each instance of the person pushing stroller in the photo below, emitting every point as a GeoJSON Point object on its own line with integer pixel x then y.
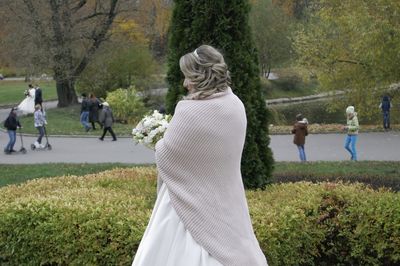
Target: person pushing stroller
{"type": "Point", "coordinates": [40, 122]}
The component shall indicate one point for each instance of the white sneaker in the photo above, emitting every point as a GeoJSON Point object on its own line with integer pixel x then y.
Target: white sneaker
{"type": "Point", "coordinates": [42, 146]}
{"type": "Point", "coordinates": [37, 145]}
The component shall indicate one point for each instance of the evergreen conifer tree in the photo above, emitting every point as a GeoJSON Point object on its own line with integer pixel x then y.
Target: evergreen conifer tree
{"type": "Point", "coordinates": [224, 25]}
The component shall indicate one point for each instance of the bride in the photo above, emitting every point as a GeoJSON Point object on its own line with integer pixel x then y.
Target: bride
{"type": "Point", "coordinates": [27, 106]}
{"type": "Point", "coordinates": [201, 216]}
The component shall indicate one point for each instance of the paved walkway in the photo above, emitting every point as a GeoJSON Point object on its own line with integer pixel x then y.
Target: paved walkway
{"type": "Point", "coordinates": [319, 147]}
{"type": "Point", "coordinates": [329, 147]}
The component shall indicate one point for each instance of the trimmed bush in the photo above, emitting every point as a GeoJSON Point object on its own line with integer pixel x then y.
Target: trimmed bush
{"type": "Point", "coordinates": [318, 112]}
{"type": "Point", "coordinates": [99, 219]}
{"type": "Point", "coordinates": [373, 173]}
{"type": "Point", "coordinates": [127, 106]}
{"type": "Point", "coordinates": [327, 224]}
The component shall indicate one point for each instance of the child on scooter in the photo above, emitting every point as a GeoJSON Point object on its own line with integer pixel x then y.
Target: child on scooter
{"type": "Point", "coordinates": [40, 122]}
{"type": "Point", "coordinates": [11, 124]}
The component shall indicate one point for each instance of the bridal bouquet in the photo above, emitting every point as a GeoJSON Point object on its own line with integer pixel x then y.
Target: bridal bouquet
{"type": "Point", "coordinates": [151, 129]}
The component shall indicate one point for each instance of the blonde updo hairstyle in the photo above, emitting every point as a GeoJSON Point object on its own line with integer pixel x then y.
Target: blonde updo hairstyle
{"type": "Point", "coordinates": [206, 71]}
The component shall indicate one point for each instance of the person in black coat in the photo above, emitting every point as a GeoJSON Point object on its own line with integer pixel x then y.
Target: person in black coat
{"type": "Point", "coordinates": [94, 106]}
{"type": "Point", "coordinates": [38, 96]}
{"type": "Point", "coordinates": [11, 124]}
{"type": "Point", "coordinates": [385, 106]}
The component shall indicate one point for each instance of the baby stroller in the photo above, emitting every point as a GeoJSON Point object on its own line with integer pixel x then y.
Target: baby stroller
{"type": "Point", "coordinates": [37, 146]}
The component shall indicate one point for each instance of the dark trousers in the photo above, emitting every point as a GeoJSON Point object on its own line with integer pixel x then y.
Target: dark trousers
{"type": "Point", "coordinates": [386, 119]}
{"type": "Point", "coordinates": [39, 102]}
{"type": "Point", "coordinates": [41, 134]}
{"type": "Point", "coordinates": [105, 129]}
{"type": "Point", "coordinates": [94, 124]}
{"type": "Point", "coordinates": [12, 134]}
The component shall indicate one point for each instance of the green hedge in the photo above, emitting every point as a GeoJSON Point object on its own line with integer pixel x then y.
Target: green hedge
{"type": "Point", "coordinates": [377, 174]}
{"type": "Point", "coordinates": [317, 112]}
{"type": "Point", "coordinates": [99, 219]}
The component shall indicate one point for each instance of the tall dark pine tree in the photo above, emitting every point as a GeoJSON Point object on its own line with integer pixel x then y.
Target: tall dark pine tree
{"type": "Point", "coordinates": [224, 25]}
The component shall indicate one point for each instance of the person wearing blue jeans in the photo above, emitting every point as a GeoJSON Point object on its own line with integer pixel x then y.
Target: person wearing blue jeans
{"type": "Point", "coordinates": [385, 106]}
{"type": "Point", "coordinates": [350, 145]}
{"type": "Point", "coordinates": [11, 124]}
{"type": "Point", "coordinates": [39, 122]}
{"type": "Point", "coordinates": [300, 132]}
{"type": "Point", "coordinates": [85, 108]}
{"type": "Point", "coordinates": [352, 132]}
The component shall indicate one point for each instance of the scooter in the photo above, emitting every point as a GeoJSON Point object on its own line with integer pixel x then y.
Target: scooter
{"type": "Point", "coordinates": [37, 146]}
{"type": "Point", "coordinates": [22, 149]}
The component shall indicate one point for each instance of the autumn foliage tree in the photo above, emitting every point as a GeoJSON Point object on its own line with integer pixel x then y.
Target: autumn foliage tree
{"type": "Point", "coordinates": [64, 35]}
{"type": "Point", "coordinates": [353, 46]}
{"type": "Point", "coordinates": [154, 17]}
{"type": "Point", "coordinates": [272, 30]}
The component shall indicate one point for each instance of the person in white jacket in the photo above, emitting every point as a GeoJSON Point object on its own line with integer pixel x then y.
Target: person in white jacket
{"type": "Point", "coordinates": [40, 122]}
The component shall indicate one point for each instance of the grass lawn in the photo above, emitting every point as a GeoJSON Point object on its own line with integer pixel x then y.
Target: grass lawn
{"type": "Point", "coordinates": [65, 121]}
{"type": "Point", "coordinates": [371, 172]}
{"type": "Point", "coordinates": [274, 92]}
{"type": "Point", "coordinates": [289, 84]}
{"type": "Point", "coordinates": [12, 92]}
{"type": "Point", "coordinates": [14, 174]}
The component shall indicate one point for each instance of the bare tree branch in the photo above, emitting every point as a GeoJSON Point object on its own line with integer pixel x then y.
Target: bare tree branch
{"type": "Point", "coordinates": [96, 14]}
{"type": "Point", "coordinates": [37, 23]}
{"type": "Point", "coordinates": [81, 4]}
{"type": "Point", "coordinates": [350, 62]}
{"type": "Point", "coordinates": [98, 38]}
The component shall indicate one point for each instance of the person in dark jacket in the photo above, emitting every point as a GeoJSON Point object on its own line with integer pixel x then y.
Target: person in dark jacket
{"type": "Point", "coordinates": [94, 111]}
{"type": "Point", "coordinates": [300, 132]}
{"type": "Point", "coordinates": [107, 120]}
{"type": "Point", "coordinates": [385, 106]}
{"type": "Point", "coordinates": [11, 124]}
{"type": "Point", "coordinates": [38, 96]}
{"type": "Point", "coordinates": [85, 107]}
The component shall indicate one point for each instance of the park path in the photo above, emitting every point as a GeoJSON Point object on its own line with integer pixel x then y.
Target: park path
{"type": "Point", "coordinates": [384, 146]}
{"type": "Point", "coordinates": [319, 147]}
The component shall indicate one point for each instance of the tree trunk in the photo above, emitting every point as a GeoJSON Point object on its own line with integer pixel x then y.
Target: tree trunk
{"type": "Point", "coordinates": [269, 72]}
{"type": "Point", "coordinates": [65, 92]}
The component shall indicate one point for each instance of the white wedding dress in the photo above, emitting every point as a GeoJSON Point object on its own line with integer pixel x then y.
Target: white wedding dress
{"type": "Point", "coordinates": [27, 106]}
{"type": "Point", "coordinates": [166, 242]}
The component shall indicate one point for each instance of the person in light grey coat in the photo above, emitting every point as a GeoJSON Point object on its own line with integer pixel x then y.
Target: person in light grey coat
{"type": "Point", "coordinates": [107, 120]}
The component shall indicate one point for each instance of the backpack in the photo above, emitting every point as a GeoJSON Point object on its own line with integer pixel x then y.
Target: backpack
{"type": "Point", "coordinates": [7, 123]}
{"type": "Point", "coordinates": [386, 104]}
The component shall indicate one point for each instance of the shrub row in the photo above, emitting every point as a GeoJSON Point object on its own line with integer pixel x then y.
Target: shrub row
{"type": "Point", "coordinates": [374, 181]}
{"type": "Point", "coordinates": [376, 174]}
{"type": "Point", "coordinates": [99, 219]}
{"type": "Point", "coordinates": [317, 112]}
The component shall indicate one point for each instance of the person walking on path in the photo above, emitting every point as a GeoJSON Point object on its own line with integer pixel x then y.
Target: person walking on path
{"type": "Point", "coordinates": [85, 107]}
{"type": "Point", "coordinates": [94, 111]}
{"type": "Point", "coordinates": [107, 120]}
{"type": "Point", "coordinates": [39, 122]}
{"type": "Point", "coordinates": [300, 132]}
{"type": "Point", "coordinates": [201, 215]}
{"type": "Point", "coordinates": [11, 124]}
{"type": "Point", "coordinates": [385, 106]}
{"type": "Point", "coordinates": [38, 96]}
{"type": "Point", "coordinates": [27, 106]}
{"type": "Point", "coordinates": [352, 132]}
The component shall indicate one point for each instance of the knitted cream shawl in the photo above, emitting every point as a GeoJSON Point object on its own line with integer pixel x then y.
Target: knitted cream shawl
{"type": "Point", "coordinates": [199, 161]}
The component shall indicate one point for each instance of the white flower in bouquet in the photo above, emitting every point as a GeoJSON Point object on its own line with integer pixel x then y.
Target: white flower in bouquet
{"type": "Point", "coordinates": [151, 129]}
